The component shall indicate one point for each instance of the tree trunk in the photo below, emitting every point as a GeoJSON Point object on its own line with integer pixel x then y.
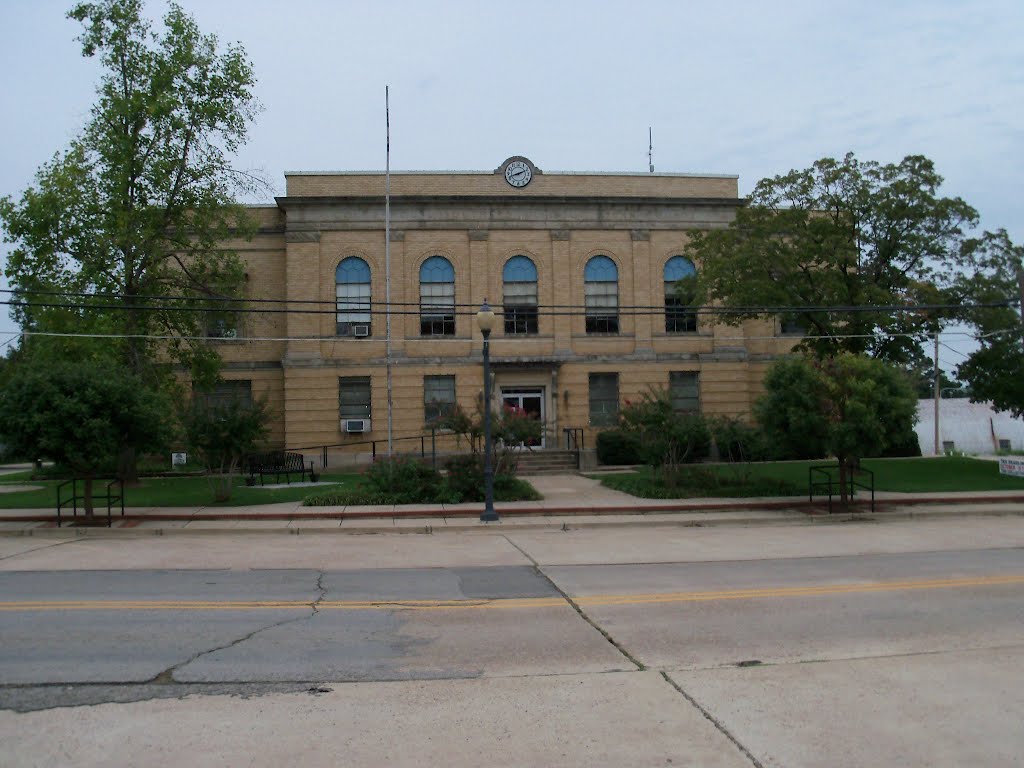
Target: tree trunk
{"type": "Point", "coordinates": [844, 480]}
{"type": "Point", "coordinates": [128, 467]}
{"type": "Point", "coordinates": [127, 463]}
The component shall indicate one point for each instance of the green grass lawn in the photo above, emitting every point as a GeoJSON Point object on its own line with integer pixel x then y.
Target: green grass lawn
{"type": "Point", "coordinates": [169, 492]}
{"type": "Point", "coordinates": [902, 475]}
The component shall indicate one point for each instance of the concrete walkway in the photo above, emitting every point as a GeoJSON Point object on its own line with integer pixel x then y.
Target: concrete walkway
{"type": "Point", "coordinates": [570, 501]}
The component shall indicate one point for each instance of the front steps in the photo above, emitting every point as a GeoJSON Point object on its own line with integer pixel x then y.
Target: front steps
{"type": "Point", "coordinates": [545, 462]}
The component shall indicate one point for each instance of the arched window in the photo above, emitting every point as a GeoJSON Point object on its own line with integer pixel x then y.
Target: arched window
{"type": "Point", "coordinates": [352, 285]}
{"type": "Point", "coordinates": [437, 297]}
{"type": "Point", "coordinates": [601, 295]}
{"type": "Point", "coordinates": [520, 299]}
{"type": "Point", "coordinates": [680, 316]}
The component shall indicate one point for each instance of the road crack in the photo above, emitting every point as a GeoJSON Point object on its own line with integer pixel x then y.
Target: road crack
{"type": "Point", "coordinates": [40, 548]}
{"type": "Point", "coordinates": [166, 677]}
{"type": "Point", "coordinates": [576, 607]}
{"type": "Point", "coordinates": [714, 721]}
{"type": "Point", "coordinates": [315, 605]}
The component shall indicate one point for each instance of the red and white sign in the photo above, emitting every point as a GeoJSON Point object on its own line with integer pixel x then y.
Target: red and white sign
{"type": "Point", "coordinates": [1011, 465]}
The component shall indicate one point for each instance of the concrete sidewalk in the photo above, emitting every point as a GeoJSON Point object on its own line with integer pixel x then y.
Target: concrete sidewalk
{"type": "Point", "coordinates": [570, 501]}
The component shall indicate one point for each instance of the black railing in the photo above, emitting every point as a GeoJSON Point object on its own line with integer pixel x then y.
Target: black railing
{"type": "Point", "coordinates": [573, 438]}
{"type": "Point", "coordinates": [74, 498]}
{"type": "Point", "coordinates": [825, 479]}
{"type": "Point", "coordinates": [426, 445]}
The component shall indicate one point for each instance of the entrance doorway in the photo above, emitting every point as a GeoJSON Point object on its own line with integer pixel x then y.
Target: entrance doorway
{"type": "Point", "coordinates": [530, 400]}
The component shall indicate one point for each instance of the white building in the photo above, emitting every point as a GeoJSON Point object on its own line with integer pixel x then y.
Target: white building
{"type": "Point", "coordinates": [966, 427]}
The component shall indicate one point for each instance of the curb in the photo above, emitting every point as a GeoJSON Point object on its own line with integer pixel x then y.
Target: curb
{"type": "Point", "coordinates": [809, 508]}
{"type": "Point", "coordinates": [466, 522]}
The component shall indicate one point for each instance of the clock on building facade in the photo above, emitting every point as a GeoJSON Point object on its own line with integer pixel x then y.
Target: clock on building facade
{"type": "Point", "coordinates": [518, 171]}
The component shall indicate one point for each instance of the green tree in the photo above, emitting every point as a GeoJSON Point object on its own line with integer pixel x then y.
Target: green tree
{"type": "Point", "coordinates": [840, 235]}
{"type": "Point", "coordinates": [80, 416]}
{"type": "Point", "coordinates": [668, 439]}
{"type": "Point", "coordinates": [222, 435]}
{"type": "Point", "coordinates": [847, 406]}
{"type": "Point", "coordinates": [127, 224]}
{"type": "Point", "coordinates": [995, 372]}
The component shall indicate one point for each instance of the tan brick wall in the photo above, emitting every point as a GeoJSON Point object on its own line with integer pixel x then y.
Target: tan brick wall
{"type": "Point", "coordinates": [484, 183]}
{"type": "Point", "coordinates": [301, 376]}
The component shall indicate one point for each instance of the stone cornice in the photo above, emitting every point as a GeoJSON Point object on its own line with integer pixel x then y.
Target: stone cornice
{"type": "Point", "coordinates": [479, 213]}
{"type": "Point", "coordinates": [503, 200]}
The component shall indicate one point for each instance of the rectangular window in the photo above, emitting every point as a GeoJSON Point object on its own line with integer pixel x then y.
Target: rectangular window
{"type": "Point", "coordinates": [438, 397]}
{"type": "Point", "coordinates": [222, 325]}
{"type": "Point", "coordinates": [520, 308]}
{"type": "Point", "coordinates": [684, 389]}
{"type": "Point", "coordinates": [437, 309]}
{"type": "Point", "coordinates": [604, 399]}
{"type": "Point", "coordinates": [679, 316]}
{"type": "Point", "coordinates": [792, 324]}
{"type": "Point", "coordinates": [602, 307]}
{"type": "Point", "coordinates": [226, 392]}
{"type": "Point", "coordinates": [354, 397]}
{"type": "Point", "coordinates": [353, 306]}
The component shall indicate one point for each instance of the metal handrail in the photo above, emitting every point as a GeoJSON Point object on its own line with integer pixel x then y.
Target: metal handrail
{"type": "Point", "coordinates": [831, 484]}
{"type": "Point", "coordinates": [73, 500]}
{"type": "Point", "coordinates": [574, 438]}
{"type": "Point", "coordinates": [428, 443]}
{"type": "Point", "coordinates": [421, 438]}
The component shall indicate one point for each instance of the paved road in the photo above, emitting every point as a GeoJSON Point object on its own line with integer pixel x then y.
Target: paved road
{"type": "Point", "coordinates": [633, 647]}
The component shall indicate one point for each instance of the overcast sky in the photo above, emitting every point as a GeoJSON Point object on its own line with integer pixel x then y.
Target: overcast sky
{"type": "Point", "coordinates": [747, 88]}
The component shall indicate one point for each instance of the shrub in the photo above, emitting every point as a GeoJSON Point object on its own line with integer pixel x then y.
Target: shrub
{"type": "Point", "coordinates": [223, 435]}
{"type": "Point", "coordinates": [614, 446]}
{"type": "Point", "coordinates": [667, 438]}
{"type": "Point", "coordinates": [404, 480]}
{"type": "Point", "coordinates": [465, 481]}
{"type": "Point", "coordinates": [343, 498]}
{"type": "Point", "coordinates": [738, 441]}
{"type": "Point", "coordinates": [408, 481]}
{"type": "Point", "coordinates": [699, 482]}
{"type": "Point", "coordinates": [466, 476]}
{"type": "Point", "coordinates": [509, 488]}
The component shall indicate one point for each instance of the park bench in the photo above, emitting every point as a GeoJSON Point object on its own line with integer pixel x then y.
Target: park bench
{"type": "Point", "coordinates": [278, 463]}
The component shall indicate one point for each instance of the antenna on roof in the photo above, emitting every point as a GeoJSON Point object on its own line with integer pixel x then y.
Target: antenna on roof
{"type": "Point", "coordinates": [650, 148]}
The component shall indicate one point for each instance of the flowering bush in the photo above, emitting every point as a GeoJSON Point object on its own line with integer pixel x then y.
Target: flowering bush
{"type": "Point", "coordinates": [510, 427]}
{"type": "Point", "coordinates": [667, 438]}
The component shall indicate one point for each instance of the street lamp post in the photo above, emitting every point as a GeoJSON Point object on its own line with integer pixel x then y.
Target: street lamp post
{"type": "Point", "coordinates": [485, 321]}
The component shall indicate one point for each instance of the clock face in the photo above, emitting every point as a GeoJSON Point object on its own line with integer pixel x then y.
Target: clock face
{"type": "Point", "coordinates": [518, 173]}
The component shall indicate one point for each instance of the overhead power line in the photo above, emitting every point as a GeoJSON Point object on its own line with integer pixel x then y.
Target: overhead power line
{"type": "Point", "coordinates": [416, 308]}
{"type": "Point", "coordinates": [433, 339]}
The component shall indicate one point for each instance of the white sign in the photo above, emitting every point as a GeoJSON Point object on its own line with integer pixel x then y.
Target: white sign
{"type": "Point", "coordinates": [1010, 465]}
{"type": "Point", "coordinates": [179, 459]}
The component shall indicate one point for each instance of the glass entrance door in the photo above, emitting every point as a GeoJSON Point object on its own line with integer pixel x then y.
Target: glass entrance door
{"type": "Point", "coordinates": [530, 400]}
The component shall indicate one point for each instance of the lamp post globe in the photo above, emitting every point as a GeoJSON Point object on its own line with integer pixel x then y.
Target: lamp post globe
{"type": "Point", "coordinates": [485, 322]}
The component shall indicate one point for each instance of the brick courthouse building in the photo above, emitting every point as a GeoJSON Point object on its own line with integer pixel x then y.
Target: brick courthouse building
{"type": "Point", "coordinates": [579, 266]}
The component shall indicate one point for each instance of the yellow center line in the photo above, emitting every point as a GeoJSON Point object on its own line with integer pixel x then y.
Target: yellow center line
{"type": "Point", "coordinates": [757, 593]}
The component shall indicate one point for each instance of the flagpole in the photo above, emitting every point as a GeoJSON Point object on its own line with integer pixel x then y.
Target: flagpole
{"type": "Point", "coordinates": [387, 261]}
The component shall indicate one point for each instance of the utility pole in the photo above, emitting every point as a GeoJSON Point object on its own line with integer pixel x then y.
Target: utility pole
{"type": "Point", "coordinates": [938, 391]}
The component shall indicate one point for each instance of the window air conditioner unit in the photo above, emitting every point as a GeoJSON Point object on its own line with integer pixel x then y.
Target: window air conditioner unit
{"type": "Point", "coordinates": [360, 330]}
{"type": "Point", "coordinates": [355, 425]}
